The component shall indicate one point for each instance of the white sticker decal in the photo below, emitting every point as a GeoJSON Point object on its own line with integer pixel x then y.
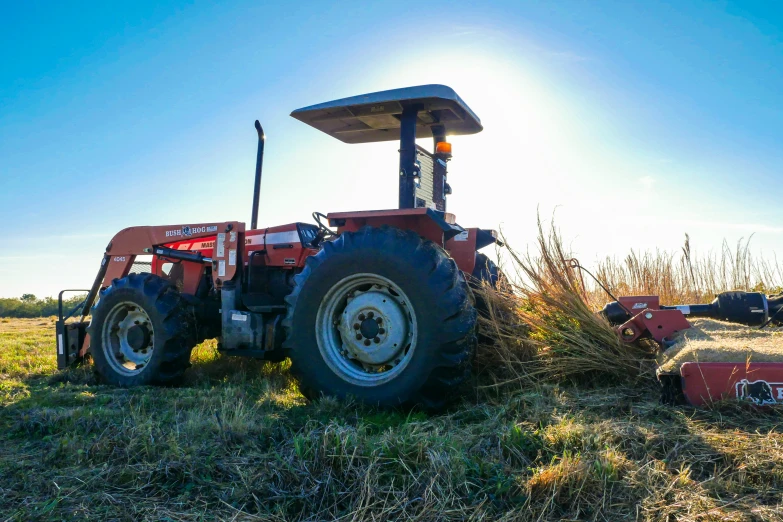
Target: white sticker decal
{"type": "Point", "coordinates": [232, 257]}
{"type": "Point", "coordinates": [221, 238]}
{"type": "Point", "coordinates": [273, 238]}
{"type": "Point", "coordinates": [60, 344]}
{"type": "Point", "coordinates": [188, 231]}
{"type": "Point", "coordinates": [462, 236]}
{"type": "Point", "coordinates": [119, 259]}
{"type": "Point", "coordinates": [232, 237]}
{"type": "Point", "coordinates": [238, 317]}
{"type": "Point", "coordinates": [221, 268]}
{"type": "Point", "coordinates": [289, 261]}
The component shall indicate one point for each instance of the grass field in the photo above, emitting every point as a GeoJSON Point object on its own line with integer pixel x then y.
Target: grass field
{"type": "Point", "coordinates": [237, 442]}
{"type": "Point", "coordinates": [561, 423]}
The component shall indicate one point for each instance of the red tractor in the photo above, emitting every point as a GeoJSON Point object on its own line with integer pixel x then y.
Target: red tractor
{"type": "Point", "coordinates": [373, 304]}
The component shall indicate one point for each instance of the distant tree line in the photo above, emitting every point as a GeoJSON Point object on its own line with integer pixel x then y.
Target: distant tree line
{"type": "Point", "coordinates": [30, 306]}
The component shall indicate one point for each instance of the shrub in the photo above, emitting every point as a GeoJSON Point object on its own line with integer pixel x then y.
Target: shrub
{"type": "Point", "coordinates": [30, 306]}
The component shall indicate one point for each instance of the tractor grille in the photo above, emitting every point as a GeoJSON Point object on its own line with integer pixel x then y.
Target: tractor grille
{"type": "Point", "coordinates": [141, 267]}
{"type": "Point", "coordinates": [425, 188]}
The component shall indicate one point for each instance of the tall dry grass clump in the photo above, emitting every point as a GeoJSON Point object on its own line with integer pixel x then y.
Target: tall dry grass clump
{"type": "Point", "coordinates": [541, 324]}
{"type": "Point", "coordinates": [544, 327]}
{"type": "Point", "coordinates": [686, 278]}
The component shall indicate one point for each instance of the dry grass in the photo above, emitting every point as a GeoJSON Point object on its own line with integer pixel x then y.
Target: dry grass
{"type": "Point", "coordinates": [687, 278]}
{"type": "Point", "coordinates": [716, 341]}
{"type": "Point", "coordinates": [237, 442]}
{"type": "Point", "coordinates": [545, 327]}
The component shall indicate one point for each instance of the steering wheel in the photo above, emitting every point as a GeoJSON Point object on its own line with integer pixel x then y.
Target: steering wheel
{"type": "Point", "coordinates": [325, 231]}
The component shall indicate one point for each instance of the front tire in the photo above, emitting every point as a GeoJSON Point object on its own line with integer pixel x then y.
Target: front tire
{"type": "Point", "coordinates": [486, 271]}
{"type": "Point", "coordinates": [142, 332]}
{"type": "Point", "coordinates": [384, 316]}
{"type": "Point", "coordinates": [486, 277]}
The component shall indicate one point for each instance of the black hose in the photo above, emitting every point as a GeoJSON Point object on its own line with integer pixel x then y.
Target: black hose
{"type": "Point", "coordinates": [574, 263]}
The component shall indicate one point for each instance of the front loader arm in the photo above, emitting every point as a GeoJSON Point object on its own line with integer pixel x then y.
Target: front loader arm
{"type": "Point", "coordinates": [73, 341]}
{"type": "Point", "coordinates": [131, 242]}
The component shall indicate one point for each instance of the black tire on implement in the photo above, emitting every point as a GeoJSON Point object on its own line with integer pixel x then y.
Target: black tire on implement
{"type": "Point", "coordinates": [439, 303]}
{"type": "Point", "coordinates": [171, 320]}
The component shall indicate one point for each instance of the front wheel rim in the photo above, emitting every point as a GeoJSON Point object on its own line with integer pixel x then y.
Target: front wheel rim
{"type": "Point", "coordinates": [128, 338]}
{"type": "Point", "coordinates": [366, 329]}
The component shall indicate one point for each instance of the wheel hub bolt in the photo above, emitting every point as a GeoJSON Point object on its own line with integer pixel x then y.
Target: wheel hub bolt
{"type": "Point", "coordinates": [366, 342]}
{"type": "Point", "coordinates": [377, 340]}
{"type": "Point", "coordinates": [378, 320]}
{"type": "Point", "coordinates": [362, 317]}
{"type": "Point", "coordinates": [356, 326]}
{"type": "Point", "coordinates": [358, 337]}
{"type": "Point", "coordinates": [370, 315]}
{"type": "Point", "coordinates": [381, 331]}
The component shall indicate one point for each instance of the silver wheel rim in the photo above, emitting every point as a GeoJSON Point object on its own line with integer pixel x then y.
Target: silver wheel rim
{"type": "Point", "coordinates": [366, 329]}
{"type": "Point", "coordinates": [127, 338]}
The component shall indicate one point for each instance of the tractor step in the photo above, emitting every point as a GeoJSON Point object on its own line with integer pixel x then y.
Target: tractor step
{"type": "Point", "coordinates": [266, 309]}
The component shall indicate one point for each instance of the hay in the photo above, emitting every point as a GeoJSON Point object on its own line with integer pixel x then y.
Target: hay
{"type": "Point", "coordinates": [544, 329]}
{"type": "Point", "coordinates": [716, 341]}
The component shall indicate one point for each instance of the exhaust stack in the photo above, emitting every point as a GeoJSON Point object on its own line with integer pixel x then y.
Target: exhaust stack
{"type": "Point", "coordinates": [257, 186]}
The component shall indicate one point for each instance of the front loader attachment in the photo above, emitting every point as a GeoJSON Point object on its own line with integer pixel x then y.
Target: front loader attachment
{"type": "Point", "coordinates": [71, 336]}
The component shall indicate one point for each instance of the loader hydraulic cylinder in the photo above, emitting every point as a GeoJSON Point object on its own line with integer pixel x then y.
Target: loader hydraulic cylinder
{"type": "Point", "coordinates": [170, 253]}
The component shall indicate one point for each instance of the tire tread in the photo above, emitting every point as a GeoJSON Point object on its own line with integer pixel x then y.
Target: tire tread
{"type": "Point", "coordinates": [454, 303]}
{"type": "Point", "coordinates": [176, 318]}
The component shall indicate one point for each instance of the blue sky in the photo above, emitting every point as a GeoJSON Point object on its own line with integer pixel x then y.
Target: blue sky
{"type": "Point", "coordinates": [635, 122]}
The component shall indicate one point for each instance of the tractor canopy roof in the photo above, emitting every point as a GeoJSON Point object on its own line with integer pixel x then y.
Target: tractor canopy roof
{"type": "Point", "coordinates": [376, 116]}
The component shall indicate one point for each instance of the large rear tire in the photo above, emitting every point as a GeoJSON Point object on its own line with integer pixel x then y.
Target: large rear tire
{"type": "Point", "coordinates": [384, 316]}
{"type": "Point", "coordinates": [142, 332]}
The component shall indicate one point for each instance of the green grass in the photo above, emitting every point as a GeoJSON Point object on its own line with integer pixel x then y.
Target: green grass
{"type": "Point", "coordinates": [237, 441]}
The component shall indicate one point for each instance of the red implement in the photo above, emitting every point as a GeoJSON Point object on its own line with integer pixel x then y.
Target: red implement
{"type": "Point", "coordinates": [650, 319]}
{"type": "Point", "coordinates": [758, 383]}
